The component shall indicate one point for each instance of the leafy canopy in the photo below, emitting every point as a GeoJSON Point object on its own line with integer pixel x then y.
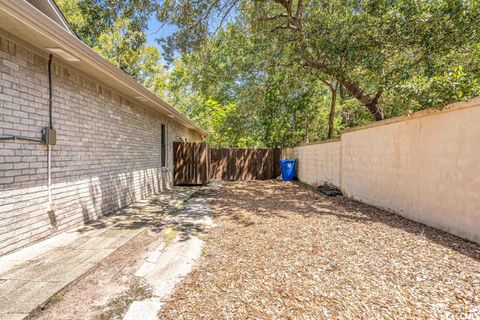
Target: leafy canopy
{"type": "Point", "coordinates": [369, 46]}
{"type": "Point", "coordinates": [116, 30]}
{"type": "Point", "coordinates": [261, 73]}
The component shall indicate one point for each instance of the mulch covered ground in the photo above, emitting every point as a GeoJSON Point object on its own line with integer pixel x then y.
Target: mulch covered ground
{"type": "Point", "coordinates": [283, 251]}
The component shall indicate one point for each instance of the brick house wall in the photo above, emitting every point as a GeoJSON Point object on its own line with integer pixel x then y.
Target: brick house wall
{"type": "Point", "coordinates": [107, 155]}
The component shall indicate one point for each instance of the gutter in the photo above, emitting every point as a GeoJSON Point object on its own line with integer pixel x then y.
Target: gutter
{"type": "Point", "coordinates": [34, 19]}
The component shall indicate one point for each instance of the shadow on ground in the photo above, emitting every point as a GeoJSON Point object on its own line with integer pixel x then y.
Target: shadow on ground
{"type": "Point", "coordinates": [305, 202]}
{"type": "Point", "coordinates": [158, 213]}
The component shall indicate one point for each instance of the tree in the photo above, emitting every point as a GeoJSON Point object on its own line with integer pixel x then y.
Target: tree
{"type": "Point", "coordinates": [116, 30]}
{"type": "Point", "coordinates": [367, 46]}
{"type": "Point", "coordinates": [283, 72]}
{"type": "Point", "coordinates": [90, 18]}
{"type": "Point", "coordinates": [333, 86]}
{"type": "Point", "coordinates": [246, 95]}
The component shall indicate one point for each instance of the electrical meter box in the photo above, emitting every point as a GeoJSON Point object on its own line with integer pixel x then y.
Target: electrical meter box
{"type": "Point", "coordinates": [49, 136]}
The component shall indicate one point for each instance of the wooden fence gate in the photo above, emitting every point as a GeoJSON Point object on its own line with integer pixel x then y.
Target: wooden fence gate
{"type": "Point", "coordinates": [191, 161]}
{"type": "Point", "coordinates": [195, 163]}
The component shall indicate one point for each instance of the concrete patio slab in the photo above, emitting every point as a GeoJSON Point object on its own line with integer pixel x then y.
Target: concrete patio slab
{"type": "Point", "coordinates": [167, 265]}
{"type": "Point", "coordinates": [144, 310]}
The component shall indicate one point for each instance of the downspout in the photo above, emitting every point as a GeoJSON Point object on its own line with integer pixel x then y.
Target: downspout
{"type": "Point", "coordinates": [49, 150]}
{"type": "Point", "coordinates": [50, 58]}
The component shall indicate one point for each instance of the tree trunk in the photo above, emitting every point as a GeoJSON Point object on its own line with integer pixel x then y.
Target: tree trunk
{"type": "Point", "coordinates": [375, 110]}
{"type": "Point", "coordinates": [333, 104]}
{"type": "Point", "coordinates": [305, 137]}
{"type": "Point", "coordinates": [371, 104]}
{"type": "Point", "coordinates": [295, 24]}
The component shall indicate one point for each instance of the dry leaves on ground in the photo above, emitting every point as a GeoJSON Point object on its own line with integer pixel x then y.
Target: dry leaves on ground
{"type": "Point", "coordinates": [281, 250]}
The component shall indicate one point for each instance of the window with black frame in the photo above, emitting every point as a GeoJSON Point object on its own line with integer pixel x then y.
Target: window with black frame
{"type": "Point", "coordinates": [163, 143]}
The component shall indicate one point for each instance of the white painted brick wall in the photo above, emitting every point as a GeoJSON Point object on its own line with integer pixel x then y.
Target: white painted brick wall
{"type": "Point", "coordinates": [107, 154]}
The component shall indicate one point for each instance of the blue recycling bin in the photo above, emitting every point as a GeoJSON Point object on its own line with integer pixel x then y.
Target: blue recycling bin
{"type": "Point", "coordinates": [288, 168]}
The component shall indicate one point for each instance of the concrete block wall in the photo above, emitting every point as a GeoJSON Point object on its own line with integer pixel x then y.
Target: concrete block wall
{"type": "Point", "coordinates": [107, 156]}
{"type": "Point", "coordinates": [425, 167]}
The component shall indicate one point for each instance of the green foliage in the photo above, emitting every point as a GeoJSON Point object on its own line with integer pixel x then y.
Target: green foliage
{"type": "Point", "coordinates": [116, 30]}
{"type": "Point", "coordinates": [241, 92]}
{"type": "Point", "coordinates": [260, 73]}
{"type": "Point", "coordinates": [390, 58]}
{"type": "Point", "coordinates": [369, 46]}
{"type": "Point", "coordinates": [439, 90]}
{"type": "Point", "coordinates": [90, 18]}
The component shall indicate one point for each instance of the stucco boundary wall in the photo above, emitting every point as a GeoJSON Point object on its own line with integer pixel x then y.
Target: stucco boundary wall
{"type": "Point", "coordinates": [425, 167]}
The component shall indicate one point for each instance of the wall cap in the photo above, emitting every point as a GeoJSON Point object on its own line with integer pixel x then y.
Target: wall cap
{"type": "Point", "coordinates": [420, 114]}
{"type": "Point", "coordinates": [319, 142]}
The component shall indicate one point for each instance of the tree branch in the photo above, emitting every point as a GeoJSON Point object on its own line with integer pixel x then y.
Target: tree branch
{"type": "Point", "coordinates": [285, 26]}
{"type": "Point", "coordinates": [299, 13]}
{"type": "Point", "coordinates": [225, 15]}
{"type": "Point", "coordinates": [275, 17]}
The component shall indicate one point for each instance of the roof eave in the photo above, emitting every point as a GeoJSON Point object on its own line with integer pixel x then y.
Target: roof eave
{"type": "Point", "coordinates": [34, 19]}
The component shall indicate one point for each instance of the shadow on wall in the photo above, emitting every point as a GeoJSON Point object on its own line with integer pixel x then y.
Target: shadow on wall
{"type": "Point", "coordinates": [24, 217]}
{"type": "Point", "coordinates": [159, 213]}
{"type": "Point", "coordinates": [100, 196]}
{"type": "Point", "coordinates": [243, 204]}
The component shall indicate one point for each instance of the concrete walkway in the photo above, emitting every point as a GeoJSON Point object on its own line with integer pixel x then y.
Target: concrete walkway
{"type": "Point", "coordinates": [168, 264]}
{"type": "Point", "coordinates": [30, 277]}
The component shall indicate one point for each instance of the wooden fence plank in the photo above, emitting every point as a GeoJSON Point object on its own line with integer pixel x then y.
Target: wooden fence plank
{"type": "Point", "coordinates": [196, 163]}
{"type": "Point", "coordinates": [243, 164]}
{"type": "Point", "coordinates": [191, 163]}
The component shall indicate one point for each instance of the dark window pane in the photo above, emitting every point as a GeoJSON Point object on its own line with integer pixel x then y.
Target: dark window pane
{"type": "Point", "coordinates": [163, 146]}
